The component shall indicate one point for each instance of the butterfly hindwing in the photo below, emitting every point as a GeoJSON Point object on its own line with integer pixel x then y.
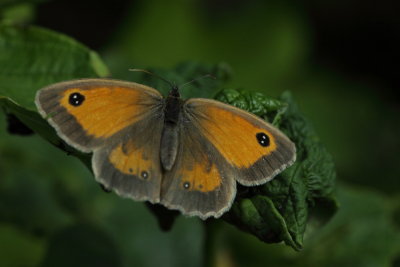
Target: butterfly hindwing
{"type": "Point", "coordinates": [131, 166]}
{"type": "Point", "coordinates": [200, 182]}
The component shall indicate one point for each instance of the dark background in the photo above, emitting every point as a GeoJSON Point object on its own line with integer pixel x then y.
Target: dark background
{"type": "Point", "coordinates": [339, 59]}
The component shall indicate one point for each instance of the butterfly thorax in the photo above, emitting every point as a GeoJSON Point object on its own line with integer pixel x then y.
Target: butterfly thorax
{"type": "Point", "coordinates": [173, 104]}
{"type": "Point", "coordinates": [169, 138]}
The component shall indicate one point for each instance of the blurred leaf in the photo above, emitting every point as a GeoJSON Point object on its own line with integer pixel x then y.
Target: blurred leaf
{"type": "Point", "coordinates": [25, 199]}
{"type": "Point", "coordinates": [279, 210]}
{"type": "Point", "coordinates": [33, 57]}
{"type": "Point", "coordinates": [87, 245]}
{"type": "Point", "coordinates": [13, 242]}
{"type": "Point", "coordinates": [362, 233]}
{"type": "Point", "coordinates": [17, 12]}
{"type": "Point", "coordinates": [139, 237]}
{"type": "Point", "coordinates": [265, 42]}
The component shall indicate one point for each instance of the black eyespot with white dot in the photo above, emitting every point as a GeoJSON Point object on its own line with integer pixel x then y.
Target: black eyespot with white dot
{"type": "Point", "coordinates": [76, 99]}
{"type": "Point", "coordinates": [144, 175]}
{"type": "Point", "coordinates": [262, 139]}
{"type": "Point", "coordinates": [186, 185]}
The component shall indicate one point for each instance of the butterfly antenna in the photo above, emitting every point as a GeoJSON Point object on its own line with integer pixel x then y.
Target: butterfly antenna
{"type": "Point", "coordinates": [198, 78]}
{"type": "Point", "coordinates": [155, 75]}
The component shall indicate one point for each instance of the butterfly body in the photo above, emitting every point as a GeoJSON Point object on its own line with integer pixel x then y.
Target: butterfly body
{"type": "Point", "coordinates": [185, 154]}
{"type": "Point", "coordinates": [169, 137]}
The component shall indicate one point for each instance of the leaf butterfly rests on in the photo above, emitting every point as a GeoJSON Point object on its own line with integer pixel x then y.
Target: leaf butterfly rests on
{"type": "Point", "coordinates": [184, 154]}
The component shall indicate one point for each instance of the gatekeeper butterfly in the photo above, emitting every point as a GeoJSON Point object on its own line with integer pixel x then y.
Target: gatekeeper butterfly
{"type": "Point", "coordinates": [184, 154]}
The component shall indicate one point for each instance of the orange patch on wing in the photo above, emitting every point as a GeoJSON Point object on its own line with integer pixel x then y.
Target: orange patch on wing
{"type": "Point", "coordinates": [133, 162]}
{"type": "Point", "coordinates": [201, 178]}
{"type": "Point", "coordinates": [235, 138]}
{"type": "Point", "coordinates": [105, 110]}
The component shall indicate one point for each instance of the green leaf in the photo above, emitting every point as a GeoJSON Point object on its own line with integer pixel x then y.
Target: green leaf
{"type": "Point", "coordinates": [279, 210]}
{"type": "Point", "coordinates": [33, 57]}
{"type": "Point", "coordinates": [257, 103]}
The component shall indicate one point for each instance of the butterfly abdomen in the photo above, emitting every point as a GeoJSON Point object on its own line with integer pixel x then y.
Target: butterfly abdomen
{"type": "Point", "coordinates": [169, 146]}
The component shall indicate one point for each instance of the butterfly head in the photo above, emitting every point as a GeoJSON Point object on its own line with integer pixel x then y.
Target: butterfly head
{"type": "Point", "coordinates": [174, 92]}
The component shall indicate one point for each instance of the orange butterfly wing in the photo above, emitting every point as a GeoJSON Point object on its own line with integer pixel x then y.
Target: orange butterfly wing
{"type": "Point", "coordinates": [255, 149]}
{"type": "Point", "coordinates": [120, 122]}
{"type": "Point", "coordinates": [219, 145]}
{"type": "Point", "coordinates": [86, 112]}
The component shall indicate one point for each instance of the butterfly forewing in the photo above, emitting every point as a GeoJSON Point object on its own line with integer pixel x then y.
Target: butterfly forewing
{"type": "Point", "coordinates": [87, 112]}
{"type": "Point", "coordinates": [255, 150]}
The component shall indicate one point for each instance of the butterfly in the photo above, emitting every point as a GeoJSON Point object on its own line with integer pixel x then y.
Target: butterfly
{"type": "Point", "coordinates": [187, 155]}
